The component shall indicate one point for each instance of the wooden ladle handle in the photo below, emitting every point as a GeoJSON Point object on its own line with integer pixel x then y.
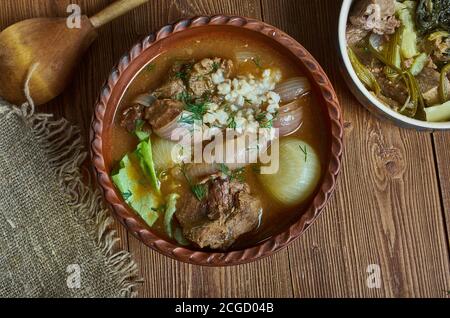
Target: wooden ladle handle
{"type": "Point", "coordinates": [115, 10]}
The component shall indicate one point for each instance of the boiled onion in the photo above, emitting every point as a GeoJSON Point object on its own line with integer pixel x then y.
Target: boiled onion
{"type": "Point", "coordinates": [298, 174]}
{"type": "Point", "coordinates": [167, 154]}
{"type": "Point", "coordinates": [290, 118]}
{"type": "Point", "coordinates": [293, 88]}
{"type": "Point", "coordinates": [167, 131]}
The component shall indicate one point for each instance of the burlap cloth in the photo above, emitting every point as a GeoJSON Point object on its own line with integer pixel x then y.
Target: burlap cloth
{"type": "Point", "coordinates": [55, 239]}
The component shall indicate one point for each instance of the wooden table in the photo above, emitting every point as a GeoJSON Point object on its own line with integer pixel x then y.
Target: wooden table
{"type": "Point", "coordinates": [392, 203]}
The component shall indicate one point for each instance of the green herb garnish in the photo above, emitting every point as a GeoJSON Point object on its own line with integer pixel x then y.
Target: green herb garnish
{"type": "Point", "coordinates": [238, 174]}
{"type": "Point", "coordinates": [197, 109]}
{"type": "Point", "coordinates": [247, 101]}
{"type": "Point", "coordinates": [215, 67]}
{"type": "Point", "coordinates": [138, 132]}
{"type": "Point", "coordinates": [257, 62]}
{"type": "Point", "coordinates": [186, 119]}
{"type": "Point", "coordinates": [304, 151]}
{"type": "Point", "coordinates": [261, 118]}
{"type": "Point", "coordinates": [200, 191]}
{"type": "Point", "coordinates": [183, 73]}
{"type": "Point", "coordinates": [256, 169]}
{"type": "Point", "coordinates": [127, 195]}
{"type": "Point", "coordinates": [184, 97]}
{"type": "Point", "coordinates": [150, 67]}
{"type": "Point", "coordinates": [232, 123]}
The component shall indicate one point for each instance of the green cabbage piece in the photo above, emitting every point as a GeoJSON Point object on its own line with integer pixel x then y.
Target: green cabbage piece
{"type": "Point", "coordinates": [171, 208]}
{"type": "Point", "coordinates": [136, 189]}
{"type": "Point", "coordinates": [408, 43]}
{"type": "Point", "coordinates": [145, 156]}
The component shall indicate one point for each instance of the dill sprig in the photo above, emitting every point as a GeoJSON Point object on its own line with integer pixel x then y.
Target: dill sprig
{"type": "Point", "coordinates": [232, 123]}
{"type": "Point", "coordinates": [257, 61]}
{"type": "Point", "coordinates": [184, 71]}
{"type": "Point", "coordinates": [215, 67]}
{"type": "Point", "coordinates": [238, 174]}
{"type": "Point", "coordinates": [150, 67]}
{"type": "Point", "coordinates": [200, 191]}
{"type": "Point", "coordinates": [256, 169]}
{"type": "Point", "coordinates": [127, 195]}
{"type": "Point", "coordinates": [196, 108]}
{"type": "Point", "coordinates": [261, 118]}
{"type": "Point", "coordinates": [304, 150]}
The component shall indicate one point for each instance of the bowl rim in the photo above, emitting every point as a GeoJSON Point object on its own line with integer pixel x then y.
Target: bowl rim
{"type": "Point", "coordinates": [391, 114]}
{"type": "Point", "coordinates": [269, 246]}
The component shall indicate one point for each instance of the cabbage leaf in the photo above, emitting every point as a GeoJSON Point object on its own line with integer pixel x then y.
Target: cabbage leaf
{"type": "Point", "coordinates": [136, 189]}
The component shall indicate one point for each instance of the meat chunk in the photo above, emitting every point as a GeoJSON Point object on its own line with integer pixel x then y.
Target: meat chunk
{"type": "Point", "coordinates": [228, 212]}
{"type": "Point", "coordinates": [441, 50]}
{"type": "Point", "coordinates": [429, 80]}
{"type": "Point", "coordinates": [396, 92]}
{"type": "Point", "coordinates": [392, 89]}
{"type": "Point", "coordinates": [200, 79]}
{"type": "Point", "coordinates": [162, 112]}
{"type": "Point", "coordinates": [390, 102]}
{"type": "Point", "coordinates": [130, 116]}
{"type": "Point", "coordinates": [355, 34]}
{"type": "Point", "coordinates": [171, 90]}
{"type": "Point", "coordinates": [175, 85]}
{"type": "Point", "coordinates": [221, 197]}
{"type": "Point", "coordinates": [376, 16]}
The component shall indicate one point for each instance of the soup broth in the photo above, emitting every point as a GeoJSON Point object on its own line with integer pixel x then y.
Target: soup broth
{"type": "Point", "coordinates": [275, 215]}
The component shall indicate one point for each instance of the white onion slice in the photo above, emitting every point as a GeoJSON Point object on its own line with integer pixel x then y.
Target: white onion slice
{"type": "Point", "coordinates": [293, 88]}
{"type": "Point", "coordinates": [290, 118]}
{"type": "Point", "coordinates": [145, 100]}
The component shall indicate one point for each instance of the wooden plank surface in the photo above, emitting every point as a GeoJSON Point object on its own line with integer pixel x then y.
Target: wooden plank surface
{"type": "Point", "coordinates": [386, 210]}
{"type": "Point", "coordinates": [442, 150]}
{"type": "Point", "coordinates": [392, 204]}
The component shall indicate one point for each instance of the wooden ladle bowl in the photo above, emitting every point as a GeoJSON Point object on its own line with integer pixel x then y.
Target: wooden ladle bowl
{"type": "Point", "coordinates": [53, 48]}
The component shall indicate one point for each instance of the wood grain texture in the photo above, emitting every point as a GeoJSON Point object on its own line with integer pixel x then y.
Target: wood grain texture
{"type": "Point", "coordinates": [267, 278]}
{"type": "Point", "coordinates": [386, 209]}
{"type": "Point", "coordinates": [442, 150]}
{"type": "Point", "coordinates": [390, 203]}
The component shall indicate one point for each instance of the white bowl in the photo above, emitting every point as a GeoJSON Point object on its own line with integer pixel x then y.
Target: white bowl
{"type": "Point", "coordinates": [363, 95]}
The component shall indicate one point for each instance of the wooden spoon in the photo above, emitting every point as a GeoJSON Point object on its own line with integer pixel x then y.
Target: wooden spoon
{"type": "Point", "coordinates": [53, 47]}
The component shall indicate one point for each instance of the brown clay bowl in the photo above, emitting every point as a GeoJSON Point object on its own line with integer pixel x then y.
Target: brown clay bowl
{"type": "Point", "coordinates": [139, 56]}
